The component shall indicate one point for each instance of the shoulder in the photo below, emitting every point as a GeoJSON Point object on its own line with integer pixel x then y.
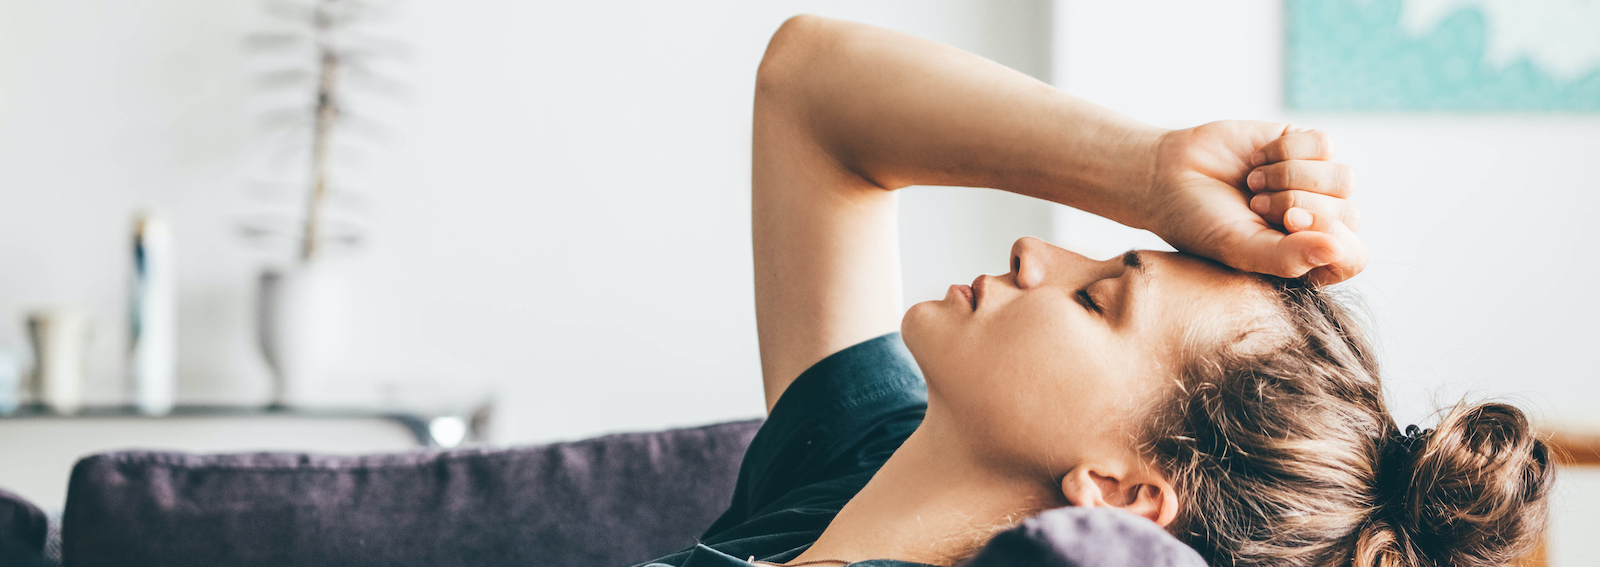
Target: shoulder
{"type": "Point", "coordinates": [830, 431]}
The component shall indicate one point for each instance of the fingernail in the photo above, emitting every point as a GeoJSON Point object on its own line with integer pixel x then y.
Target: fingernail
{"type": "Point", "coordinates": [1321, 257]}
{"type": "Point", "coordinates": [1258, 158]}
{"type": "Point", "coordinates": [1256, 179]}
{"type": "Point", "coordinates": [1261, 204]}
{"type": "Point", "coordinates": [1298, 217]}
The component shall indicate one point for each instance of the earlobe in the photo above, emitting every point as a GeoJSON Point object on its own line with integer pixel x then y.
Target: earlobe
{"type": "Point", "coordinates": [1148, 496]}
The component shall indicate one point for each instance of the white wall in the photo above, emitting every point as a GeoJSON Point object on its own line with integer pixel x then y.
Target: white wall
{"type": "Point", "coordinates": [1483, 265]}
{"type": "Point", "coordinates": [1482, 280]}
{"type": "Point", "coordinates": [560, 214]}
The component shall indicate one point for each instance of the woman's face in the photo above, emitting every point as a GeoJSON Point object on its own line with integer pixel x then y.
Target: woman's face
{"type": "Point", "coordinates": [1048, 361]}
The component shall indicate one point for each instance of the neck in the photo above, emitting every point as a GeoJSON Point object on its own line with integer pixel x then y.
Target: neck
{"type": "Point", "coordinates": [933, 502]}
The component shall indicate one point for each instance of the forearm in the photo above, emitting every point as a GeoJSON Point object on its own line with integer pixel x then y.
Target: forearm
{"type": "Point", "coordinates": [899, 110]}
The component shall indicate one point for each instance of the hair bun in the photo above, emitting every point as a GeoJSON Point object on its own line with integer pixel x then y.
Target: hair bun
{"type": "Point", "coordinates": [1470, 493]}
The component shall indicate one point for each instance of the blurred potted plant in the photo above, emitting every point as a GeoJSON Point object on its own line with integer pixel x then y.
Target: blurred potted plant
{"type": "Point", "coordinates": [303, 311]}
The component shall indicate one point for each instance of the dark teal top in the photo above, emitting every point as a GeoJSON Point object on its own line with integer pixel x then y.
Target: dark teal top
{"type": "Point", "coordinates": [825, 438]}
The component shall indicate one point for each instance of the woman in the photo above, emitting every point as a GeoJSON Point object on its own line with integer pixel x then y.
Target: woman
{"type": "Point", "coordinates": [1237, 406]}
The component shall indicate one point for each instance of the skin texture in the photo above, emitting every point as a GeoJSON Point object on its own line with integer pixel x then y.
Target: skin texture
{"type": "Point", "coordinates": [1029, 393]}
{"type": "Point", "coordinates": [1077, 344]}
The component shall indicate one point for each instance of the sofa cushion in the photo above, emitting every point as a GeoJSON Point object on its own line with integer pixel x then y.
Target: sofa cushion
{"type": "Point", "coordinates": [22, 531]}
{"type": "Point", "coordinates": [1086, 537]}
{"type": "Point", "coordinates": [612, 500]}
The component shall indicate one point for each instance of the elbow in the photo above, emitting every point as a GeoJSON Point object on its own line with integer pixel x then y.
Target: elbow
{"type": "Point", "coordinates": [788, 52]}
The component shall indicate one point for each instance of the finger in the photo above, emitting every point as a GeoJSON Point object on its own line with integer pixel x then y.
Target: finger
{"type": "Point", "coordinates": [1327, 244]}
{"type": "Point", "coordinates": [1353, 258]}
{"type": "Point", "coordinates": [1297, 219]}
{"type": "Point", "coordinates": [1268, 251]}
{"type": "Point", "coordinates": [1302, 144]}
{"type": "Point", "coordinates": [1315, 243]}
{"type": "Point", "coordinates": [1273, 207]}
{"type": "Point", "coordinates": [1326, 177]}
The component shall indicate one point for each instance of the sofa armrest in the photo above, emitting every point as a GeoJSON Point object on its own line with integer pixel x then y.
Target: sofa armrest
{"type": "Point", "coordinates": [22, 531]}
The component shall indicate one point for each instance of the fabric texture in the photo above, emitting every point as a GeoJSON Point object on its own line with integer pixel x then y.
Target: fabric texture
{"type": "Point", "coordinates": [611, 500]}
{"type": "Point", "coordinates": [1086, 537]}
{"type": "Point", "coordinates": [22, 532]}
{"type": "Point", "coordinates": [827, 435]}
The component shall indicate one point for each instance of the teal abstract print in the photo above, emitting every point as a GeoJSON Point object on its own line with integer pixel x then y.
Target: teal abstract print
{"type": "Point", "coordinates": [1442, 55]}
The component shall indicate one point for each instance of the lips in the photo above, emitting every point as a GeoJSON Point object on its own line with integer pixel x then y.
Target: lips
{"type": "Point", "coordinates": [977, 291]}
{"type": "Point", "coordinates": [966, 294]}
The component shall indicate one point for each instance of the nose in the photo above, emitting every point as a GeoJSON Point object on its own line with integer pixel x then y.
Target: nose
{"type": "Point", "coordinates": [1033, 261]}
{"type": "Point", "coordinates": [1028, 261]}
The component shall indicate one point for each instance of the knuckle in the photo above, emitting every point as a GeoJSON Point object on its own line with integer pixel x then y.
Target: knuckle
{"type": "Point", "coordinates": [1287, 200]}
{"type": "Point", "coordinates": [1294, 176]}
{"type": "Point", "coordinates": [1322, 144]}
{"type": "Point", "coordinates": [1275, 175]}
{"type": "Point", "coordinates": [1273, 150]}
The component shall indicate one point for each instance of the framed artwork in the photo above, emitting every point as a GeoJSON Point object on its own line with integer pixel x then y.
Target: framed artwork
{"type": "Point", "coordinates": [1442, 55]}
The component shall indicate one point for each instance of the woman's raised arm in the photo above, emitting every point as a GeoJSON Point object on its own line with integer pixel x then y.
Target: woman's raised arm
{"type": "Point", "coordinates": [846, 112]}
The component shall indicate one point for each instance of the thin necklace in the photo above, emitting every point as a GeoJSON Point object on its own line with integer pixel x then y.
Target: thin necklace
{"type": "Point", "coordinates": [753, 561]}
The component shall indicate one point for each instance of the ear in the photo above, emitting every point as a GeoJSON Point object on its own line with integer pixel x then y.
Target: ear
{"type": "Point", "coordinates": [1141, 492]}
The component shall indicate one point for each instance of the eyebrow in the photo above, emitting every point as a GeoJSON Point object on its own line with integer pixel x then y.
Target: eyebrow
{"type": "Point", "coordinates": [1135, 264]}
{"type": "Point", "coordinates": [1131, 260]}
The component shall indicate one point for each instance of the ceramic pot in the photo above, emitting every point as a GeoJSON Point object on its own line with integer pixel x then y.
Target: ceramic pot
{"type": "Point", "coordinates": [61, 354]}
{"type": "Point", "coordinates": [303, 315]}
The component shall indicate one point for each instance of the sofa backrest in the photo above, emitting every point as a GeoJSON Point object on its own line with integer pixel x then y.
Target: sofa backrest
{"type": "Point", "coordinates": [612, 500]}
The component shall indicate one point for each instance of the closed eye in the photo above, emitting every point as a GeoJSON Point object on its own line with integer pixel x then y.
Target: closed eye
{"type": "Point", "coordinates": [1088, 302]}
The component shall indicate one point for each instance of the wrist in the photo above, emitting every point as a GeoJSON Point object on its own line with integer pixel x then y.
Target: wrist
{"type": "Point", "coordinates": [1101, 166]}
{"type": "Point", "coordinates": [1130, 197]}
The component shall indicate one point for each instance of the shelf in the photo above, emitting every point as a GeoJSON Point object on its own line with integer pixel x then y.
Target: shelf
{"type": "Point", "coordinates": [429, 429]}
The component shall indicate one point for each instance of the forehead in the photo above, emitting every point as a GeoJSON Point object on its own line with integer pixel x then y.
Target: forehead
{"type": "Point", "coordinates": [1190, 297]}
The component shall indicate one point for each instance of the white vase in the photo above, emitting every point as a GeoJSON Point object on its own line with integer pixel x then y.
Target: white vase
{"type": "Point", "coordinates": [303, 315]}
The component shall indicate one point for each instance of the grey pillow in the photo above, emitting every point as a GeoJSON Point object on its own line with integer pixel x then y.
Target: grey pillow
{"type": "Point", "coordinates": [22, 531]}
{"type": "Point", "coordinates": [1086, 537]}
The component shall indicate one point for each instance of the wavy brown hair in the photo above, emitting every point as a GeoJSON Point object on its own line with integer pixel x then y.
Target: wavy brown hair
{"type": "Point", "coordinates": [1283, 453]}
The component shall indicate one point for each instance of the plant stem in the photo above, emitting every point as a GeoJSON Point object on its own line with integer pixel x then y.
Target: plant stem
{"type": "Point", "coordinates": [327, 113]}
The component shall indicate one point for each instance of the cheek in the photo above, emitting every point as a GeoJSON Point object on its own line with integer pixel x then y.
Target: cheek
{"type": "Point", "coordinates": [1045, 373]}
{"type": "Point", "coordinates": [980, 361]}
{"type": "Point", "coordinates": [1038, 337]}
{"type": "Point", "coordinates": [1034, 350]}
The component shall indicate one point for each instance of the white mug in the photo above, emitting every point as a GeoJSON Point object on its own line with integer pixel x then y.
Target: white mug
{"type": "Point", "coordinates": [60, 354]}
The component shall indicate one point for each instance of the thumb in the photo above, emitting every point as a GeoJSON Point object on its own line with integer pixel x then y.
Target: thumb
{"type": "Point", "coordinates": [1268, 251]}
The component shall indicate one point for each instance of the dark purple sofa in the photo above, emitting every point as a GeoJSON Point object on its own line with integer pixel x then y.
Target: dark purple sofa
{"type": "Point", "coordinates": [607, 501]}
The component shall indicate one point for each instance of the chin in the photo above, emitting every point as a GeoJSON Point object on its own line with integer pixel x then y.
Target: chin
{"type": "Point", "coordinates": [916, 324]}
{"type": "Point", "coordinates": [912, 317]}
{"type": "Point", "coordinates": [925, 328]}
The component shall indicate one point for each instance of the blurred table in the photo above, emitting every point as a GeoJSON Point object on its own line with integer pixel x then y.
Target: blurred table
{"type": "Point", "coordinates": [38, 447]}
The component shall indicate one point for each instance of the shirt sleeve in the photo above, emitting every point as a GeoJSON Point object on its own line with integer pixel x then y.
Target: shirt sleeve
{"type": "Point", "coordinates": [844, 416]}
